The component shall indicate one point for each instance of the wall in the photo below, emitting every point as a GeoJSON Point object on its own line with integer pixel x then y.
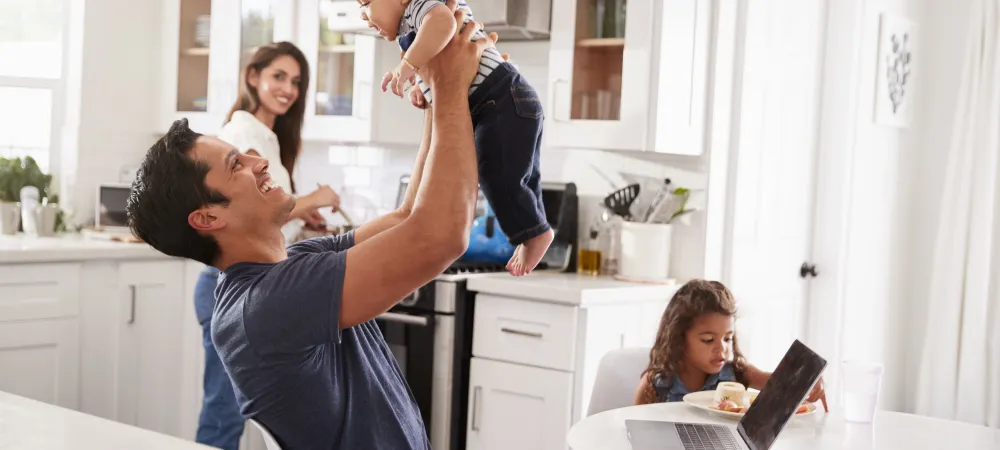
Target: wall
{"type": "Point", "coordinates": [879, 198]}
{"type": "Point", "coordinates": [109, 126]}
{"type": "Point", "coordinates": [944, 36]}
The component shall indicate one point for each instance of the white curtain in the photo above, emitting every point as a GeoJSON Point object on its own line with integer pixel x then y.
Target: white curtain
{"type": "Point", "coordinates": [960, 362]}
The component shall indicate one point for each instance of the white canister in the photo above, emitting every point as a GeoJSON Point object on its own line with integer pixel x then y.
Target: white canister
{"type": "Point", "coordinates": [645, 251]}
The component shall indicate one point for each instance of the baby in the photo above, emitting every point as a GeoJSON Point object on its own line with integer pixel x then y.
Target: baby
{"type": "Point", "coordinates": [506, 116]}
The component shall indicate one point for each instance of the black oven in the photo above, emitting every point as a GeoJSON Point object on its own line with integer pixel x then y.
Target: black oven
{"type": "Point", "coordinates": [430, 335]}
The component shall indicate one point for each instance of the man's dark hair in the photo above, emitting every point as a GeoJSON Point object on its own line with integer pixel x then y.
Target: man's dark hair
{"type": "Point", "coordinates": [169, 185]}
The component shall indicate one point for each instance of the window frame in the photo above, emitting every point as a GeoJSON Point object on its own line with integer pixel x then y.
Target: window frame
{"type": "Point", "coordinates": [57, 90]}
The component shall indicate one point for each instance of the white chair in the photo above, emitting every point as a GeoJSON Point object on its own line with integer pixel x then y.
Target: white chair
{"type": "Point", "coordinates": [268, 439]}
{"type": "Point", "coordinates": [617, 377]}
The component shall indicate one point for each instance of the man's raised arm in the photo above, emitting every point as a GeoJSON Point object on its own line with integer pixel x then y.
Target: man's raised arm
{"type": "Point", "coordinates": [386, 267]}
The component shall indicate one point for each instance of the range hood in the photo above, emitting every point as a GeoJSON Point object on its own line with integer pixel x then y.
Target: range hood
{"type": "Point", "coordinates": [512, 20]}
{"type": "Point", "coordinates": [515, 20]}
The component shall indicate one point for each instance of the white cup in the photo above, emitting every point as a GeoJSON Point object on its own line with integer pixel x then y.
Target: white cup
{"type": "Point", "coordinates": [861, 384]}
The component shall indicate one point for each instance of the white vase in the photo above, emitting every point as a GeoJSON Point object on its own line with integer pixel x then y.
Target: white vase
{"type": "Point", "coordinates": [10, 217]}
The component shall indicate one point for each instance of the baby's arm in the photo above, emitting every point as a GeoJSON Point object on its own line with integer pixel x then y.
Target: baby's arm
{"type": "Point", "coordinates": [436, 30]}
{"type": "Point", "coordinates": [755, 377]}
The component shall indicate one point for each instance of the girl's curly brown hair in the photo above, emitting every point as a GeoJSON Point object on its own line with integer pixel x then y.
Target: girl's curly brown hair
{"type": "Point", "coordinates": [695, 298]}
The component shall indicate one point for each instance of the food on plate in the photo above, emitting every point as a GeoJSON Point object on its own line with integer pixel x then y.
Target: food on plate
{"type": "Point", "coordinates": [728, 390]}
{"type": "Point", "coordinates": [803, 408]}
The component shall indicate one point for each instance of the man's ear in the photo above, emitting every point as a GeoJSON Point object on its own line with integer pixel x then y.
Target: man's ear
{"type": "Point", "coordinates": [205, 219]}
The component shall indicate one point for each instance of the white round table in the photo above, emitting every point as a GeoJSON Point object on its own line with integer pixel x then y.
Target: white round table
{"type": "Point", "coordinates": [889, 431]}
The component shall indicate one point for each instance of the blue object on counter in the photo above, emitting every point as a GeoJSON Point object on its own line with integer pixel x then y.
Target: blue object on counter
{"type": "Point", "coordinates": [487, 243]}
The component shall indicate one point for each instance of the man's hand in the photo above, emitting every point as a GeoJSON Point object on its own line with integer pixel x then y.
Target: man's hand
{"type": "Point", "coordinates": [458, 62]}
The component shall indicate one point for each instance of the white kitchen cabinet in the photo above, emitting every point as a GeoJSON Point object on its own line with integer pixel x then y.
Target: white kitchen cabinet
{"type": "Point", "coordinates": [147, 348]}
{"type": "Point", "coordinates": [635, 80]}
{"type": "Point", "coordinates": [517, 406]}
{"type": "Point", "coordinates": [40, 359]}
{"type": "Point", "coordinates": [205, 44]}
{"type": "Point", "coordinates": [345, 99]}
{"type": "Point", "coordinates": [536, 347]}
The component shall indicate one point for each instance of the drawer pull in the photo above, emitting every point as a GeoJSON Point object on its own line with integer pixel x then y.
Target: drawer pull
{"type": "Point", "coordinates": [131, 311]}
{"type": "Point", "coordinates": [521, 333]}
{"type": "Point", "coordinates": [476, 392]}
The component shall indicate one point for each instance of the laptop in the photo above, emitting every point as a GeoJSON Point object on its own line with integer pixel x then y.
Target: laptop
{"type": "Point", "coordinates": [785, 390]}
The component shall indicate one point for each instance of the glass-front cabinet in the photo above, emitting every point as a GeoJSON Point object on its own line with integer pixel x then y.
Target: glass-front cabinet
{"type": "Point", "coordinates": [628, 75]}
{"type": "Point", "coordinates": [341, 70]}
{"type": "Point", "coordinates": [206, 44]}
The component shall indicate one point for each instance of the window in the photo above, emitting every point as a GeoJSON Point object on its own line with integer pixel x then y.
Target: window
{"type": "Point", "coordinates": [32, 36]}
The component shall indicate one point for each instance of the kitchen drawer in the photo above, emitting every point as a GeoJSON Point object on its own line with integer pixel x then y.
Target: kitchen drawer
{"type": "Point", "coordinates": [526, 332]}
{"type": "Point", "coordinates": [39, 291]}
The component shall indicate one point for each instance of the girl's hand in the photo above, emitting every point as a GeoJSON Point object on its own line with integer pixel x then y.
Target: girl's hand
{"type": "Point", "coordinates": [818, 394]}
{"type": "Point", "coordinates": [417, 98]}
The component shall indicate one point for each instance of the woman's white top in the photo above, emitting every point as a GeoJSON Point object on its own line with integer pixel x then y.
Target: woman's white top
{"type": "Point", "coordinates": [246, 132]}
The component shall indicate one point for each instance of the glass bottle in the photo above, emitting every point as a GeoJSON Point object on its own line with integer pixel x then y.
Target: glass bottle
{"type": "Point", "coordinates": [588, 260]}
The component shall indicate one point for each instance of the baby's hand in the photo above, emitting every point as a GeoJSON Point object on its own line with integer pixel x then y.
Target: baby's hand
{"type": "Point", "coordinates": [417, 98]}
{"type": "Point", "coordinates": [397, 79]}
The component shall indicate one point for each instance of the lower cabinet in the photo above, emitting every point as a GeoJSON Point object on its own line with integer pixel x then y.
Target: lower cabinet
{"type": "Point", "coordinates": [512, 406]}
{"type": "Point", "coordinates": [40, 360]}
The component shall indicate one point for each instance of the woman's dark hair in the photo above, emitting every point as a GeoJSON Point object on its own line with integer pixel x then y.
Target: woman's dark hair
{"type": "Point", "coordinates": [695, 298]}
{"type": "Point", "coordinates": [288, 127]}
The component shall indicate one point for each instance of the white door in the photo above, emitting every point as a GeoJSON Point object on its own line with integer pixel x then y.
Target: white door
{"type": "Point", "coordinates": [40, 360]}
{"type": "Point", "coordinates": [773, 204]}
{"type": "Point", "coordinates": [149, 323]}
{"type": "Point", "coordinates": [517, 407]}
{"type": "Point", "coordinates": [599, 74]}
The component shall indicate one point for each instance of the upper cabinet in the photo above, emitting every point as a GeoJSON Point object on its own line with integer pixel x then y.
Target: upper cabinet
{"type": "Point", "coordinates": [208, 42]}
{"type": "Point", "coordinates": [345, 99]}
{"type": "Point", "coordinates": [205, 44]}
{"type": "Point", "coordinates": [629, 75]}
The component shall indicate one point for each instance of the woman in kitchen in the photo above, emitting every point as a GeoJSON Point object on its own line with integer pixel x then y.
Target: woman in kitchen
{"type": "Point", "coordinates": [266, 120]}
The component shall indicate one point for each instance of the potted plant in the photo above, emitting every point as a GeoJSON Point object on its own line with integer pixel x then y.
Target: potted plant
{"type": "Point", "coordinates": [15, 174]}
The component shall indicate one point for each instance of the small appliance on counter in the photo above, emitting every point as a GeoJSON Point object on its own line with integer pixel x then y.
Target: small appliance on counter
{"type": "Point", "coordinates": [110, 217]}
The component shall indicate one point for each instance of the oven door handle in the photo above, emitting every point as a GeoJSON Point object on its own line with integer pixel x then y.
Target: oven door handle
{"type": "Point", "coordinates": [406, 319]}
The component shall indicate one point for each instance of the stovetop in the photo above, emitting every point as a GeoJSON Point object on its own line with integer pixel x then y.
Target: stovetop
{"type": "Point", "coordinates": [460, 270]}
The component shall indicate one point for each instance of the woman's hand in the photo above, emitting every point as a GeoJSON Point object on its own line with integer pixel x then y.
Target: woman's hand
{"type": "Point", "coordinates": [324, 196]}
{"type": "Point", "coordinates": [314, 220]}
{"type": "Point", "coordinates": [818, 394]}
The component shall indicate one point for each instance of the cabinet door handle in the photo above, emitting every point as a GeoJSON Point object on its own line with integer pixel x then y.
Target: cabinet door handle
{"type": "Point", "coordinates": [475, 407]}
{"type": "Point", "coordinates": [554, 98]}
{"type": "Point", "coordinates": [521, 332]}
{"type": "Point", "coordinates": [131, 312]}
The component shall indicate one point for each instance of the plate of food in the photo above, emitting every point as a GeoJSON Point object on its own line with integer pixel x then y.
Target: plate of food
{"type": "Point", "coordinates": [732, 400]}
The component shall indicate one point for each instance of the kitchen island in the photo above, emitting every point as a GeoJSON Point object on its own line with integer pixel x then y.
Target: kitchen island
{"type": "Point", "coordinates": [30, 424]}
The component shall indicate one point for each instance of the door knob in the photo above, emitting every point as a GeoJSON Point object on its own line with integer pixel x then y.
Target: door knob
{"type": "Point", "coordinates": [807, 269]}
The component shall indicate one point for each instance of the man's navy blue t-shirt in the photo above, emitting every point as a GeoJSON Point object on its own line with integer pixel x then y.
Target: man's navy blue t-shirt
{"type": "Point", "coordinates": [311, 384]}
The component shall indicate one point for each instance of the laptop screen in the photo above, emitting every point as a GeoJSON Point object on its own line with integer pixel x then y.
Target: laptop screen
{"type": "Point", "coordinates": [785, 390]}
{"type": "Point", "coordinates": [111, 206]}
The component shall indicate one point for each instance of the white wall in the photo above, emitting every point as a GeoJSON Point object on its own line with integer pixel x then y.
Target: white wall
{"type": "Point", "coordinates": [944, 31]}
{"type": "Point", "coordinates": [861, 226]}
{"type": "Point", "coordinates": [118, 47]}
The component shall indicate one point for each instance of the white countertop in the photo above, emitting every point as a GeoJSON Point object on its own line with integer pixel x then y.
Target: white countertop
{"type": "Point", "coordinates": [571, 288]}
{"type": "Point", "coordinates": [69, 247]}
{"type": "Point", "coordinates": [34, 425]}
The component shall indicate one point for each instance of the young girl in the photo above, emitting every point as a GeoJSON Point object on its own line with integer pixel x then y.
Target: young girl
{"type": "Point", "coordinates": [506, 115]}
{"type": "Point", "coordinates": [696, 348]}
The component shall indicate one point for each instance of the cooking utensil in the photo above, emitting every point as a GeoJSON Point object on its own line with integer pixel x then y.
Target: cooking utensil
{"type": "Point", "coordinates": [662, 194]}
{"type": "Point", "coordinates": [620, 201]}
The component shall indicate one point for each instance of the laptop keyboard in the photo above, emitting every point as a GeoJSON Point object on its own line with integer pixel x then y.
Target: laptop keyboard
{"type": "Point", "coordinates": [706, 437]}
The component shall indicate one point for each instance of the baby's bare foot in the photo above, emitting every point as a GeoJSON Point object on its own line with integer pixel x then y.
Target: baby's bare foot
{"type": "Point", "coordinates": [529, 254]}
